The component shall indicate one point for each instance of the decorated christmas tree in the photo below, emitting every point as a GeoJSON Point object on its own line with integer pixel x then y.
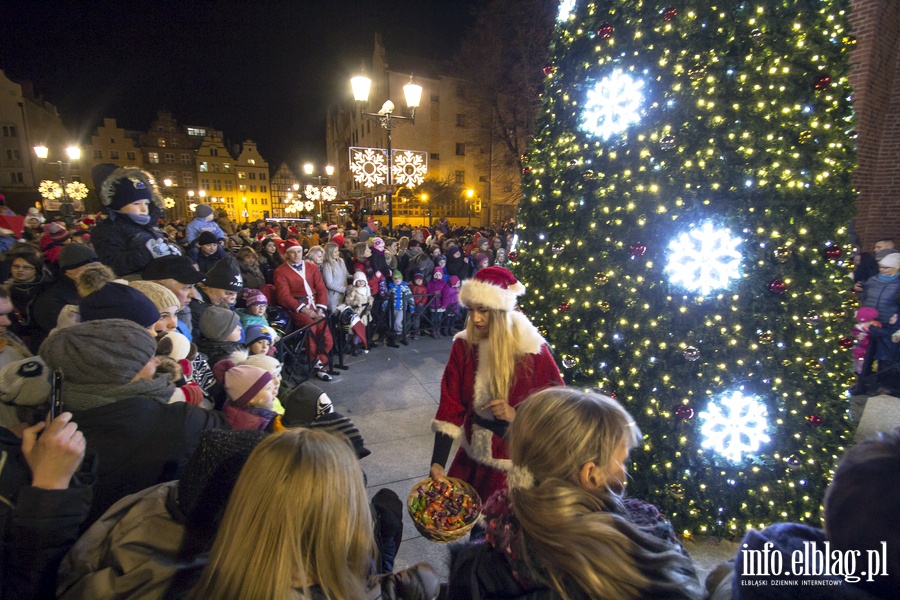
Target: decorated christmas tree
{"type": "Point", "coordinates": [683, 237]}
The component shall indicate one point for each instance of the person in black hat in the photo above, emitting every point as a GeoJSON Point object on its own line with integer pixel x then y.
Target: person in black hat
{"type": "Point", "coordinates": [129, 239]}
{"type": "Point", "coordinates": [73, 259]}
{"type": "Point", "coordinates": [222, 285]}
{"type": "Point", "coordinates": [179, 275]}
{"type": "Point", "coordinates": [207, 252]}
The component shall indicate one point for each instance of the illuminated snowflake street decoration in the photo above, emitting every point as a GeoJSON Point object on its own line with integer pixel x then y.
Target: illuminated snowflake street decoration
{"type": "Point", "coordinates": [76, 190]}
{"type": "Point", "coordinates": [312, 192]}
{"type": "Point", "coordinates": [193, 206]}
{"type": "Point", "coordinates": [735, 426]}
{"type": "Point", "coordinates": [50, 189]}
{"type": "Point", "coordinates": [309, 205]}
{"type": "Point", "coordinates": [613, 105]}
{"type": "Point", "coordinates": [369, 166]}
{"type": "Point", "coordinates": [169, 202]}
{"type": "Point", "coordinates": [329, 193]}
{"type": "Point", "coordinates": [704, 259]}
{"type": "Point", "coordinates": [566, 7]}
{"type": "Point", "coordinates": [409, 168]}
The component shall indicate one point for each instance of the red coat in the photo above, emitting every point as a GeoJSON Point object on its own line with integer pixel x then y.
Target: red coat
{"type": "Point", "coordinates": [483, 457]}
{"type": "Point", "coordinates": [289, 287]}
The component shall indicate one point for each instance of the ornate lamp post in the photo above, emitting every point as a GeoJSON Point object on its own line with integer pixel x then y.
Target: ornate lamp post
{"type": "Point", "coordinates": [413, 92]}
{"type": "Point", "coordinates": [62, 190]}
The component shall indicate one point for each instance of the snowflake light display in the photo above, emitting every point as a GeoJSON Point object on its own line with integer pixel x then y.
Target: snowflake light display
{"type": "Point", "coordinates": [193, 206]}
{"type": "Point", "coordinates": [329, 193]}
{"type": "Point", "coordinates": [369, 166]}
{"type": "Point", "coordinates": [50, 189]}
{"type": "Point", "coordinates": [312, 192]}
{"type": "Point", "coordinates": [409, 168]}
{"type": "Point", "coordinates": [613, 105]}
{"type": "Point", "coordinates": [704, 259]}
{"type": "Point", "coordinates": [76, 190]}
{"type": "Point", "coordinates": [169, 202]}
{"type": "Point", "coordinates": [565, 10]}
{"type": "Point", "coordinates": [734, 426]}
{"type": "Point", "coordinates": [309, 205]}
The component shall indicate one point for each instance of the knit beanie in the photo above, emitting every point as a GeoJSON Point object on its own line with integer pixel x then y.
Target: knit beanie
{"type": "Point", "coordinates": [225, 275]}
{"type": "Point", "coordinates": [217, 323]}
{"type": "Point", "coordinates": [304, 404]}
{"type": "Point", "coordinates": [891, 260]}
{"type": "Point", "coordinates": [480, 258]}
{"type": "Point", "coordinates": [339, 240]}
{"type": "Point", "coordinates": [339, 424]}
{"type": "Point", "coordinates": [120, 186]}
{"type": "Point", "coordinates": [161, 296]}
{"type": "Point", "coordinates": [418, 275]}
{"type": "Point", "coordinates": [254, 297]}
{"type": "Point", "coordinates": [56, 232]}
{"type": "Point", "coordinates": [180, 268]}
{"type": "Point", "coordinates": [174, 345]}
{"type": "Point", "coordinates": [378, 244]}
{"type": "Point", "coordinates": [73, 256]}
{"type": "Point", "coordinates": [364, 235]}
{"type": "Point", "coordinates": [264, 361]}
{"type": "Point", "coordinates": [25, 382]}
{"type": "Point", "coordinates": [242, 382]}
{"type": "Point", "coordinates": [203, 211]}
{"type": "Point", "coordinates": [453, 280]}
{"type": "Point", "coordinates": [206, 237]}
{"type": "Point", "coordinates": [256, 333]}
{"type": "Point", "coordinates": [118, 301]}
{"type": "Point", "coordinates": [111, 351]}
{"type": "Point", "coordinates": [438, 273]}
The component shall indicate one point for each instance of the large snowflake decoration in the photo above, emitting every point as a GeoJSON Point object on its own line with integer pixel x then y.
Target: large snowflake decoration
{"type": "Point", "coordinates": [50, 189]}
{"type": "Point", "coordinates": [329, 193]}
{"type": "Point", "coordinates": [612, 105]}
{"type": "Point", "coordinates": [409, 168]}
{"type": "Point", "coordinates": [76, 190]}
{"type": "Point", "coordinates": [309, 205]}
{"type": "Point", "coordinates": [169, 202]}
{"type": "Point", "coordinates": [369, 166]}
{"type": "Point", "coordinates": [734, 426]}
{"type": "Point", "coordinates": [313, 193]}
{"type": "Point", "coordinates": [193, 206]}
{"type": "Point", "coordinates": [704, 259]}
{"type": "Point", "coordinates": [566, 7]}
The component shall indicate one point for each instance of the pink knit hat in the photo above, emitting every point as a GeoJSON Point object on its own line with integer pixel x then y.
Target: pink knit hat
{"type": "Point", "coordinates": [378, 243]}
{"type": "Point", "coordinates": [253, 297]}
{"type": "Point", "coordinates": [243, 382]}
{"type": "Point", "coordinates": [492, 287]}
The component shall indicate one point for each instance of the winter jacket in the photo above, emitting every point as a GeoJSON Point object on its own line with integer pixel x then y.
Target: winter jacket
{"type": "Point", "coordinates": [879, 294]}
{"type": "Point", "coordinates": [335, 275]}
{"type": "Point", "coordinates": [24, 296]}
{"type": "Point", "coordinates": [50, 303]}
{"type": "Point", "coordinates": [198, 225]}
{"type": "Point", "coordinates": [450, 299]}
{"type": "Point", "coordinates": [127, 247]}
{"type": "Point", "coordinates": [253, 276]}
{"type": "Point", "coordinates": [438, 287]}
{"type": "Point", "coordinates": [397, 296]}
{"type": "Point", "coordinates": [206, 262]}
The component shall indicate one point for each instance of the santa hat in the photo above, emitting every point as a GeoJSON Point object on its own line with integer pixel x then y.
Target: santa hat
{"type": "Point", "coordinates": [332, 227]}
{"type": "Point", "coordinates": [492, 287]}
{"type": "Point", "coordinates": [339, 240]}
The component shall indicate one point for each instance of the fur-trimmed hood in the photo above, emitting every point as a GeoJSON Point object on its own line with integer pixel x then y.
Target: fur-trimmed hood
{"type": "Point", "coordinates": [107, 189]}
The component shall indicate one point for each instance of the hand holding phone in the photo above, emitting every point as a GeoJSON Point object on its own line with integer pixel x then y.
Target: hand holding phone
{"type": "Point", "coordinates": [56, 403]}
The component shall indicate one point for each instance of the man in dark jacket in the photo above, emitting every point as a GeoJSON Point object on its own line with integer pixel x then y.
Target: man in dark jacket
{"type": "Point", "coordinates": [73, 259]}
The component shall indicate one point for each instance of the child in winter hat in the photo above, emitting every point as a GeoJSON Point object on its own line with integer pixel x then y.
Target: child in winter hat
{"type": "Point", "coordinates": [254, 313]}
{"type": "Point", "coordinates": [259, 340]}
{"type": "Point", "coordinates": [250, 393]}
{"type": "Point", "coordinates": [220, 333]}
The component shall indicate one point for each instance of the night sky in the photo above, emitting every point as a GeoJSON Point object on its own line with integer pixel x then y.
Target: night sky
{"type": "Point", "coordinates": [254, 69]}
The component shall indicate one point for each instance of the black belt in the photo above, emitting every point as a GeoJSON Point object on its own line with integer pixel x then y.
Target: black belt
{"type": "Point", "coordinates": [495, 426]}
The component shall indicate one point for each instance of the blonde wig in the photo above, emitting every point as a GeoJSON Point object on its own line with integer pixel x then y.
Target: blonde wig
{"type": "Point", "coordinates": [503, 354]}
{"type": "Point", "coordinates": [579, 537]}
{"type": "Point", "coordinates": [298, 516]}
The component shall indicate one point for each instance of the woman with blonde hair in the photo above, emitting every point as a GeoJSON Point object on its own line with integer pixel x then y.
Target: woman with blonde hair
{"type": "Point", "coordinates": [334, 272]}
{"type": "Point", "coordinates": [563, 529]}
{"type": "Point", "coordinates": [495, 363]}
{"type": "Point", "coordinates": [298, 525]}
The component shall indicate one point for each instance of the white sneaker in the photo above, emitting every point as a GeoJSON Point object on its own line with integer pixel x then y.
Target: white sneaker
{"type": "Point", "coordinates": [324, 376]}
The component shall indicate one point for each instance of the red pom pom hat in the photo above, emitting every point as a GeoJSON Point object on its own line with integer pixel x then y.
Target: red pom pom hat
{"type": "Point", "coordinates": [492, 287]}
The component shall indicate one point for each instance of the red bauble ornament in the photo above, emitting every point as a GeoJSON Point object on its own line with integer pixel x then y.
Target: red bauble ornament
{"type": "Point", "coordinates": [638, 249]}
{"type": "Point", "coordinates": [777, 286]}
{"type": "Point", "coordinates": [814, 420]}
{"type": "Point", "coordinates": [822, 82]}
{"type": "Point", "coordinates": [513, 255]}
{"type": "Point", "coordinates": [832, 252]}
{"type": "Point", "coordinates": [684, 412]}
{"type": "Point", "coordinates": [846, 343]}
{"type": "Point", "coordinates": [605, 31]}
{"type": "Point", "coordinates": [564, 307]}
{"type": "Point", "coordinates": [670, 13]}
{"type": "Point", "coordinates": [526, 171]}
{"type": "Point", "coordinates": [549, 70]}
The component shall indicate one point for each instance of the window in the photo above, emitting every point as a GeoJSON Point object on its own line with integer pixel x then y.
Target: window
{"type": "Point", "coordinates": [434, 156]}
{"type": "Point", "coordinates": [174, 143]}
{"type": "Point", "coordinates": [226, 167]}
{"type": "Point", "coordinates": [460, 120]}
{"type": "Point", "coordinates": [9, 131]}
{"type": "Point", "coordinates": [242, 187]}
{"type": "Point", "coordinates": [130, 155]}
{"type": "Point", "coordinates": [435, 98]}
{"type": "Point", "coordinates": [263, 189]}
{"type": "Point", "coordinates": [98, 153]}
{"type": "Point", "coordinates": [114, 154]}
{"type": "Point", "coordinates": [153, 157]}
{"type": "Point", "coordinates": [173, 175]}
{"type": "Point", "coordinates": [162, 142]}
{"type": "Point", "coordinates": [196, 131]}
{"type": "Point", "coordinates": [204, 167]}
{"type": "Point", "coordinates": [217, 185]}
{"type": "Point", "coordinates": [213, 151]}
{"type": "Point", "coordinates": [16, 178]}
{"type": "Point", "coordinates": [112, 140]}
{"type": "Point", "coordinates": [252, 188]}
{"type": "Point", "coordinates": [170, 158]}
{"type": "Point", "coordinates": [12, 154]}
{"type": "Point", "coordinates": [242, 175]}
{"type": "Point", "coordinates": [204, 183]}
{"type": "Point", "coordinates": [262, 176]}
{"type": "Point", "coordinates": [460, 149]}
{"type": "Point", "coordinates": [252, 161]}
{"type": "Point", "coordinates": [460, 177]}
{"type": "Point", "coordinates": [229, 185]}
{"type": "Point", "coordinates": [252, 175]}
{"type": "Point", "coordinates": [155, 175]}
{"type": "Point", "coordinates": [187, 179]}
{"type": "Point", "coordinates": [186, 159]}
{"type": "Point", "coordinates": [483, 179]}
{"type": "Point", "coordinates": [215, 167]}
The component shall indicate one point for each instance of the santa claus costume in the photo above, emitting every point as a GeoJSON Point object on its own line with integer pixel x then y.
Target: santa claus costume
{"type": "Point", "coordinates": [482, 459]}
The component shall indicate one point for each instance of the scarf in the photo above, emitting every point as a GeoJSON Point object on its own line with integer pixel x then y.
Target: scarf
{"type": "Point", "coordinates": [886, 278]}
{"type": "Point", "coordinates": [85, 396]}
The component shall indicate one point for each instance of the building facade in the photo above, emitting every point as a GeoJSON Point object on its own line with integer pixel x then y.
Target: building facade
{"type": "Point", "coordinates": [253, 184]}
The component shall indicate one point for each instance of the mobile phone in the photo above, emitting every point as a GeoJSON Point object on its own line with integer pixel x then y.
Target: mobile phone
{"type": "Point", "coordinates": [56, 402]}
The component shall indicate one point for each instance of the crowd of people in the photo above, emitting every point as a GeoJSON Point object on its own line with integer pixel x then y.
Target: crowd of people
{"type": "Point", "coordinates": [153, 448]}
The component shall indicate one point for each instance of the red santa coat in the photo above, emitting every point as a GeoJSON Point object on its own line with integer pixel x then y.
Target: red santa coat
{"type": "Point", "coordinates": [483, 457]}
{"type": "Point", "coordinates": [289, 287]}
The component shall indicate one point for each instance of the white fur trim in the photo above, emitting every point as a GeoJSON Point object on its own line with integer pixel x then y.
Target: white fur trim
{"type": "Point", "coordinates": [473, 292]}
{"type": "Point", "coordinates": [480, 448]}
{"type": "Point", "coordinates": [446, 428]}
{"type": "Point", "coordinates": [528, 338]}
{"type": "Point", "coordinates": [108, 186]}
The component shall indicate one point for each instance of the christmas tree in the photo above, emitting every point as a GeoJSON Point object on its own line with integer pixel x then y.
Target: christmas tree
{"type": "Point", "coordinates": [683, 237]}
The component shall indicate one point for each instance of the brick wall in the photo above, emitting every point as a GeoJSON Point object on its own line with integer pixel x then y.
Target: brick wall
{"type": "Point", "coordinates": [876, 81]}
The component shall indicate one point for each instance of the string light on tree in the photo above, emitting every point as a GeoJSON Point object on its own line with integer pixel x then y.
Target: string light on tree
{"type": "Point", "coordinates": [704, 259]}
{"type": "Point", "coordinates": [612, 105]}
{"type": "Point", "coordinates": [566, 7]}
{"type": "Point", "coordinates": [734, 426]}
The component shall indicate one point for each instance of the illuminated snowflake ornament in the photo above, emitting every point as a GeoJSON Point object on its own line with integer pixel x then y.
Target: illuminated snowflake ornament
{"type": "Point", "coordinates": [50, 189]}
{"type": "Point", "coordinates": [309, 205]}
{"type": "Point", "coordinates": [329, 193]}
{"type": "Point", "coordinates": [566, 7]}
{"type": "Point", "coordinates": [313, 193]}
{"type": "Point", "coordinates": [193, 206]}
{"type": "Point", "coordinates": [369, 166]}
{"type": "Point", "coordinates": [704, 259]}
{"type": "Point", "coordinates": [76, 190]}
{"type": "Point", "coordinates": [409, 168]}
{"type": "Point", "coordinates": [169, 202]}
{"type": "Point", "coordinates": [612, 105]}
{"type": "Point", "coordinates": [734, 425]}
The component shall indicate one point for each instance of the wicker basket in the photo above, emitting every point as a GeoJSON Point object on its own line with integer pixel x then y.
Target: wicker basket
{"type": "Point", "coordinates": [440, 536]}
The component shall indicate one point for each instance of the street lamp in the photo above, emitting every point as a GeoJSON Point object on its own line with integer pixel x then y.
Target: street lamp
{"type": "Point", "coordinates": [413, 92]}
{"type": "Point", "coordinates": [74, 153]}
{"type": "Point", "coordinates": [470, 193]}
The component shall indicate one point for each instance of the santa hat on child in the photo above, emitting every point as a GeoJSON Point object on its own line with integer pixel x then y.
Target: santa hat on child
{"type": "Point", "coordinates": [492, 287]}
